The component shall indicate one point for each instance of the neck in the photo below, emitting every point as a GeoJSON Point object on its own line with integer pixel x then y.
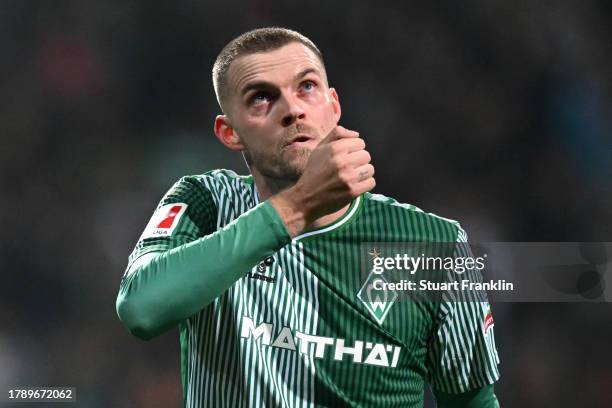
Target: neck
{"type": "Point", "coordinates": [267, 187]}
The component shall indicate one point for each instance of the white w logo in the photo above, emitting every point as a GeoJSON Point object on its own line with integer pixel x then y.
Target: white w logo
{"type": "Point", "coordinates": [377, 301]}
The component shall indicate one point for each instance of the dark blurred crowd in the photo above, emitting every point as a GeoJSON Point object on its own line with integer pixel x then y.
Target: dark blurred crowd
{"type": "Point", "coordinates": [496, 114]}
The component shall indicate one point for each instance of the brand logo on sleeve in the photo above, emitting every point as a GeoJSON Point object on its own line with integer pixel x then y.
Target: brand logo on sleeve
{"type": "Point", "coordinates": [260, 269]}
{"type": "Point", "coordinates": [164, 221]}
{"type": "Point", "coordinates": [488, 323]}
{"type": "Point", "coordinates": [488, 320]}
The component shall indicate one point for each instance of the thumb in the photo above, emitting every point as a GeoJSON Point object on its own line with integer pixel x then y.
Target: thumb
{"type": "Point", "coordinates": [339, 132]}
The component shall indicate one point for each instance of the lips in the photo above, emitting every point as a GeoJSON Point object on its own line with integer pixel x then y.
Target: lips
{"type": "Point", "coordinates": [301, 138]}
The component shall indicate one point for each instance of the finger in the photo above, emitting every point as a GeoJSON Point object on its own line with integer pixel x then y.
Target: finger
{"type": "Point", "coordinates": [364, 172]}
{"type": "Point", "coordinates": [339, 132]}
{"type": "Point", "coordinates": [363, 186]}
{"type": "Point", "coordinates": [359, 158]}
{"type": "Point", "coordinates": [348, 145]}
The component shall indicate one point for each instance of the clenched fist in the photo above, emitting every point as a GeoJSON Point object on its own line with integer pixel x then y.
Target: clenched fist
{"type": "Point", "coordinates": [337, 171]}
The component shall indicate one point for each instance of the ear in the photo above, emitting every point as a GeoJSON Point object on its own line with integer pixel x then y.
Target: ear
{"type": "Point", "coordinates": [227, 134]}
{"type": "Point", "coordinates": [335, 101]}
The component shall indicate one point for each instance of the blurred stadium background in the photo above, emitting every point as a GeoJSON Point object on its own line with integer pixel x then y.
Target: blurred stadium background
{"type": "Point", "coordinates": [496, 114]}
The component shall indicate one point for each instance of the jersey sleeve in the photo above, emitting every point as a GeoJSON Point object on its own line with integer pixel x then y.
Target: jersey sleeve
{"type": "Point", "coordinates": [462, 355]}
{"type": "Point", "coordinates": [185, 213]}
{"type": "Point", "coordinates": [182, 263]}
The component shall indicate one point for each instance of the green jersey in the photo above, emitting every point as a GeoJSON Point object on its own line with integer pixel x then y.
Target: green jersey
{"type": "Point", "coordinates": [292, 331]}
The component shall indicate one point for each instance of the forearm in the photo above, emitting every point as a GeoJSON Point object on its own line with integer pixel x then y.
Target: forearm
{"type": "Point", "coordinates": [178, 283]}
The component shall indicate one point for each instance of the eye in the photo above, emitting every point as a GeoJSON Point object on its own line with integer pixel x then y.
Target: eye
{"type": "Point", "coordinates": [259, 98]}
{"type": "Point", "coordinates": [308, 86]}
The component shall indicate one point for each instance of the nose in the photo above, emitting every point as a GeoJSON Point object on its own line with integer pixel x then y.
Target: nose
{"type": "Point", "coordinates": [294, 111]}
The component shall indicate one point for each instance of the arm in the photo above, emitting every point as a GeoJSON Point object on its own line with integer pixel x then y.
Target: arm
{"type": "Point", "coordinates": [163, 288]}
{"type": "Point", "coordinates": [483, 397]}
{"type": "Point", "coordinates": [462, 357]}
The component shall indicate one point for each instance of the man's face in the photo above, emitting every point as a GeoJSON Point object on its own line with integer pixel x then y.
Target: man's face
{"type": "Point", "coordinates": [280, 107]}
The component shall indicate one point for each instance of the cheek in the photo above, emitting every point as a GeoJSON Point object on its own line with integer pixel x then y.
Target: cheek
{"type": "Point", "coordinates": [328, 114]}
{"type": "Point", "coordinates": [259, 112]}
{"type": "Point", "coordinates": [325, 104]}
{"type": "Point", "coordinates": [253, 126]}
{"type": "Point", "coordinates": [260, 121]}
{"type": "Point", "coordinates": [259, 136]}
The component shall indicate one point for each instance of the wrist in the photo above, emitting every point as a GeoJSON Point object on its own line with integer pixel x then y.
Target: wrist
{"type": "Point", "coordinates": [292, 208]}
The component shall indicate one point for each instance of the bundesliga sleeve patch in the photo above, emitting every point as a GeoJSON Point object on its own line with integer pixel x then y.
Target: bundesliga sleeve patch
{"type": "Point", "coordinates": [488, 319]}
{"type": "Point", "coordinates": [164, 221]}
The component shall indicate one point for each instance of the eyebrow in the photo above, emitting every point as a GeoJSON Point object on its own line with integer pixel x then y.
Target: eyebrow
{"type": "Point", "coordinates": [265, 84]}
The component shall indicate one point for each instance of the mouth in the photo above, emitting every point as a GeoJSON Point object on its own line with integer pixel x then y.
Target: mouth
{"type": "Point", "coordinates": [298, 140]}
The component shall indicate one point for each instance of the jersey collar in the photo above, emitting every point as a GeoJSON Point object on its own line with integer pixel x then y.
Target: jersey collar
{"type": "Point", "coordinates": [345, 218]}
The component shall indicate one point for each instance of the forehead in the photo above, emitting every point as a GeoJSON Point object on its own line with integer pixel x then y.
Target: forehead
{"type": "Point", "coordinates": [274, 66]}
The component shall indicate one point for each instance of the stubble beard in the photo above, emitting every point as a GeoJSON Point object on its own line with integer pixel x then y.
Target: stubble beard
{"type": "Point", "coordinates": [278, 166]}
{"type": "Point", "coordinates": [284, 164]}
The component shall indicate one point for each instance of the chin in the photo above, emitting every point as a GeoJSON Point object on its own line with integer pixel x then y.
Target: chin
{"type": "Point", "coordinates": [296, 158]}
{"type": "Point", "coordinates": [292, 173]}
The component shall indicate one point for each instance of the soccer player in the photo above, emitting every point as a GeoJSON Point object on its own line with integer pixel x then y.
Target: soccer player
{"type": "Point", "coordinates": [261, 273]}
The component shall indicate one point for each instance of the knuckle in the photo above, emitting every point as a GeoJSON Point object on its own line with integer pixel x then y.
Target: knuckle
{"type": "Point", "coordinates": [344, 144]}
{"type": "Point", "coordinates": [356, 144]}
{"type": "Point", "coordinates": [334, 148]}
{"type": "Point", "coordinates": [338, 162]}
{"type": "Point", "coordinates": [345, 177]}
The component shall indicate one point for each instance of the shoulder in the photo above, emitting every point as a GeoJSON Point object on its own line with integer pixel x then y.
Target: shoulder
{"type": "Point", "coordinates": [226, 176]}
{"type": "Point", "coordinates": [414, 213]}
{"type": "Point", "coordinates": [230, 193]}
{"type": "Point", "coordinates": [215, 182]}
{"type": "Point", "coordinates": [224, 180]}
{"type": "Point", "coordinates": [207, 195]}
